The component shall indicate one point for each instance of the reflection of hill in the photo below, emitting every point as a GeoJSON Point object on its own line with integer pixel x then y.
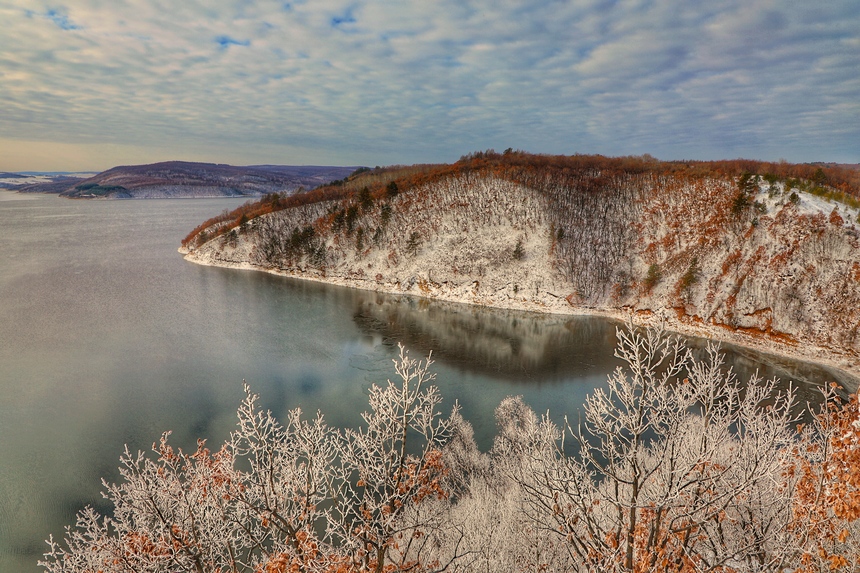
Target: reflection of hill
{"type": "Point", "coordinates": [519, 346]}
{"type": "Point", "coordinates": [534, 348]}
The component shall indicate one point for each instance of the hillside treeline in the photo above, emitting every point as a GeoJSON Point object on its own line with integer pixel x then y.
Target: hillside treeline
{"type": "Point", "coordinates": [674, 466]}
{"type": "Point", "coordinates": [520, 167]}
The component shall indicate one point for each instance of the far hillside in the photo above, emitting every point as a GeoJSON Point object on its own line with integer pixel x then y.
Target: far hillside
{"type": "Point", "coordinates": [180, 179]}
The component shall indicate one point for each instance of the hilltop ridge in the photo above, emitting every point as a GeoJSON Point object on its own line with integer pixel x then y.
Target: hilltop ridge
{"type": "Point", "coordinates": [766, 255]}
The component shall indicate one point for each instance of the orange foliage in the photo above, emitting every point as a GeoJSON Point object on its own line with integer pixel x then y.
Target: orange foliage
{"type": "Point", "coordinates": [827, 498]}
{"type": "Point", "coordinates": [229, 220]}
{"type": "Point", "coordinates": [137, 543]}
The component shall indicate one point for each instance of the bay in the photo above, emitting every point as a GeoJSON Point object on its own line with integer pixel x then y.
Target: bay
{"type": "Point", "coordinates": [108, 337]}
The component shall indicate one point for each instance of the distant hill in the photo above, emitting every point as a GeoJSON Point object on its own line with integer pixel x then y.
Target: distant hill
{"type": "Point", "coordinates": [178, 179]}
{"type": "Point", "coordinates": [41, 183]}
{"type": "Point", "coordinates": [851, 166]}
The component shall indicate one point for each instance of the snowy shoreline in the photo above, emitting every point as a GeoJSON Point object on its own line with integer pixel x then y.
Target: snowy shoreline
{"type": "Point", "coordinates": [841, 365]}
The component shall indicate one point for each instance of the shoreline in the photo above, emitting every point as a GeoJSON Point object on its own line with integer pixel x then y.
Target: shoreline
{"type": "Point", "coordinates": [821, 357]}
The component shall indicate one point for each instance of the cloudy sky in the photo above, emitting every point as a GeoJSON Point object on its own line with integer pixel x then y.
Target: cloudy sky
{"type": "Point", "coordinates": [88, 84]}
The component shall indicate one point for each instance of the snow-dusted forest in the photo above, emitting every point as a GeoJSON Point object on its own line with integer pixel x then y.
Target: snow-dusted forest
{"type": "Point", "coordinates": [675, 466]}
{"type": "Point", "coordinates": [760, 254]}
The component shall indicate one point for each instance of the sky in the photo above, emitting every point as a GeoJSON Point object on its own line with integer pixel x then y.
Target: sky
{"type": "Point", "coordinates": [89, 84]}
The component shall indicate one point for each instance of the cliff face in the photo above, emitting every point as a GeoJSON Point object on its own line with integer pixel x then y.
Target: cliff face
{"type": "Point", "coordinates": [755, 262]}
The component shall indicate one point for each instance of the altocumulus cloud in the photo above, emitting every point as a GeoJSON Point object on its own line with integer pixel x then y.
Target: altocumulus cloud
{"type": "Point", "coordinates": [371, 81]}
{"type": "Point", "coordinates": [225, 41]}
{"type": "Point", "coordinates": [58, 17]}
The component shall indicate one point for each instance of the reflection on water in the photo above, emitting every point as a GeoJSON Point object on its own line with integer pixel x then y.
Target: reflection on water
{"type": "Point", "coordinates": [538, 348]}
{"type": "Point", "coordinates": [518, 346]}
{"type": "Point", "coordinates": [8, 195]}
{"type": "Point", "coordinates": [805, 377]}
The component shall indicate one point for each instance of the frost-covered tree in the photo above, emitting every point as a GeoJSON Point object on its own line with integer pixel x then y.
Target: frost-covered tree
{"type": "Point", "coordinates": [293, 497]}
{"type": "Point", "coordinates": [389, 466]}
{"type": "Point", "coordinates": [826, 499]}
{"type": "Point", "coordinates": [674, 466]}
{"type": "Point", "coordinates": [667, 471]}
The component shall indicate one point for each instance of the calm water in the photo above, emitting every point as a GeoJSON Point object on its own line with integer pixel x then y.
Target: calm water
{"type": "Point", "coordinates": [108, 337]}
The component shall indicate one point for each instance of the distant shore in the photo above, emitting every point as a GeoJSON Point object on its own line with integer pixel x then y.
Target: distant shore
{"type": "Point", "coordinates": [11, 195]}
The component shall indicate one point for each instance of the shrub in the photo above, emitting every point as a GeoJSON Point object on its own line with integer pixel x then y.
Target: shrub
{"type": "Point", "coordinates": [740, 203]}
{"type": "Point", "coordinates": [365, 199]}
{"type": "Point", "coordinates": [385, 214]}
{"type": "Point", "coordinates": [350, 218]}
{"type": "Point", "coordinates": [691, 276]}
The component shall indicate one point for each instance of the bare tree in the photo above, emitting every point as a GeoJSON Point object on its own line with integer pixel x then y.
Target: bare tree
{"type": "Point", "coordinates": [666, 470]}
{"type": "Point", "coordinates": [675, 466]}
{"type": "Point", "coordinates": [390, 465]}
{"type": "Point", "coordinates": [276, 498]}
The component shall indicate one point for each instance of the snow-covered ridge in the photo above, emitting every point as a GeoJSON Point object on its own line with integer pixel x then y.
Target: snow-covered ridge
{"type": "Point", "coordinates": [779, 271]}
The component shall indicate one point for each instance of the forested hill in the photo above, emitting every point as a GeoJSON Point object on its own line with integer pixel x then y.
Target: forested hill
{"type": "Point", "coordinates": [188, 179]}
{"type": "Point", "coordinates": [761, 253]}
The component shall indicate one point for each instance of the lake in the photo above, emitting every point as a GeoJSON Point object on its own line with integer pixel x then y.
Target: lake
{"type": "Point", "coordinates": [108, 337]}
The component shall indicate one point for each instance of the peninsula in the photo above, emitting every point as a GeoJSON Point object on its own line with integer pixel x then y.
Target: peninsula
{"type": "Point", "coordinates": [765, 255]}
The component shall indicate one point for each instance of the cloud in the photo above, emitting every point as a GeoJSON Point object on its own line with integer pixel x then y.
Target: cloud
{"type": "Point", "coordinates": [374, 82]}
{"type": "Point", "coordinates": [346, 18]}
{"type": "Point", "coordinates": [227, 41]}
{"type": "Point", "coordinates": [58, 16]}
